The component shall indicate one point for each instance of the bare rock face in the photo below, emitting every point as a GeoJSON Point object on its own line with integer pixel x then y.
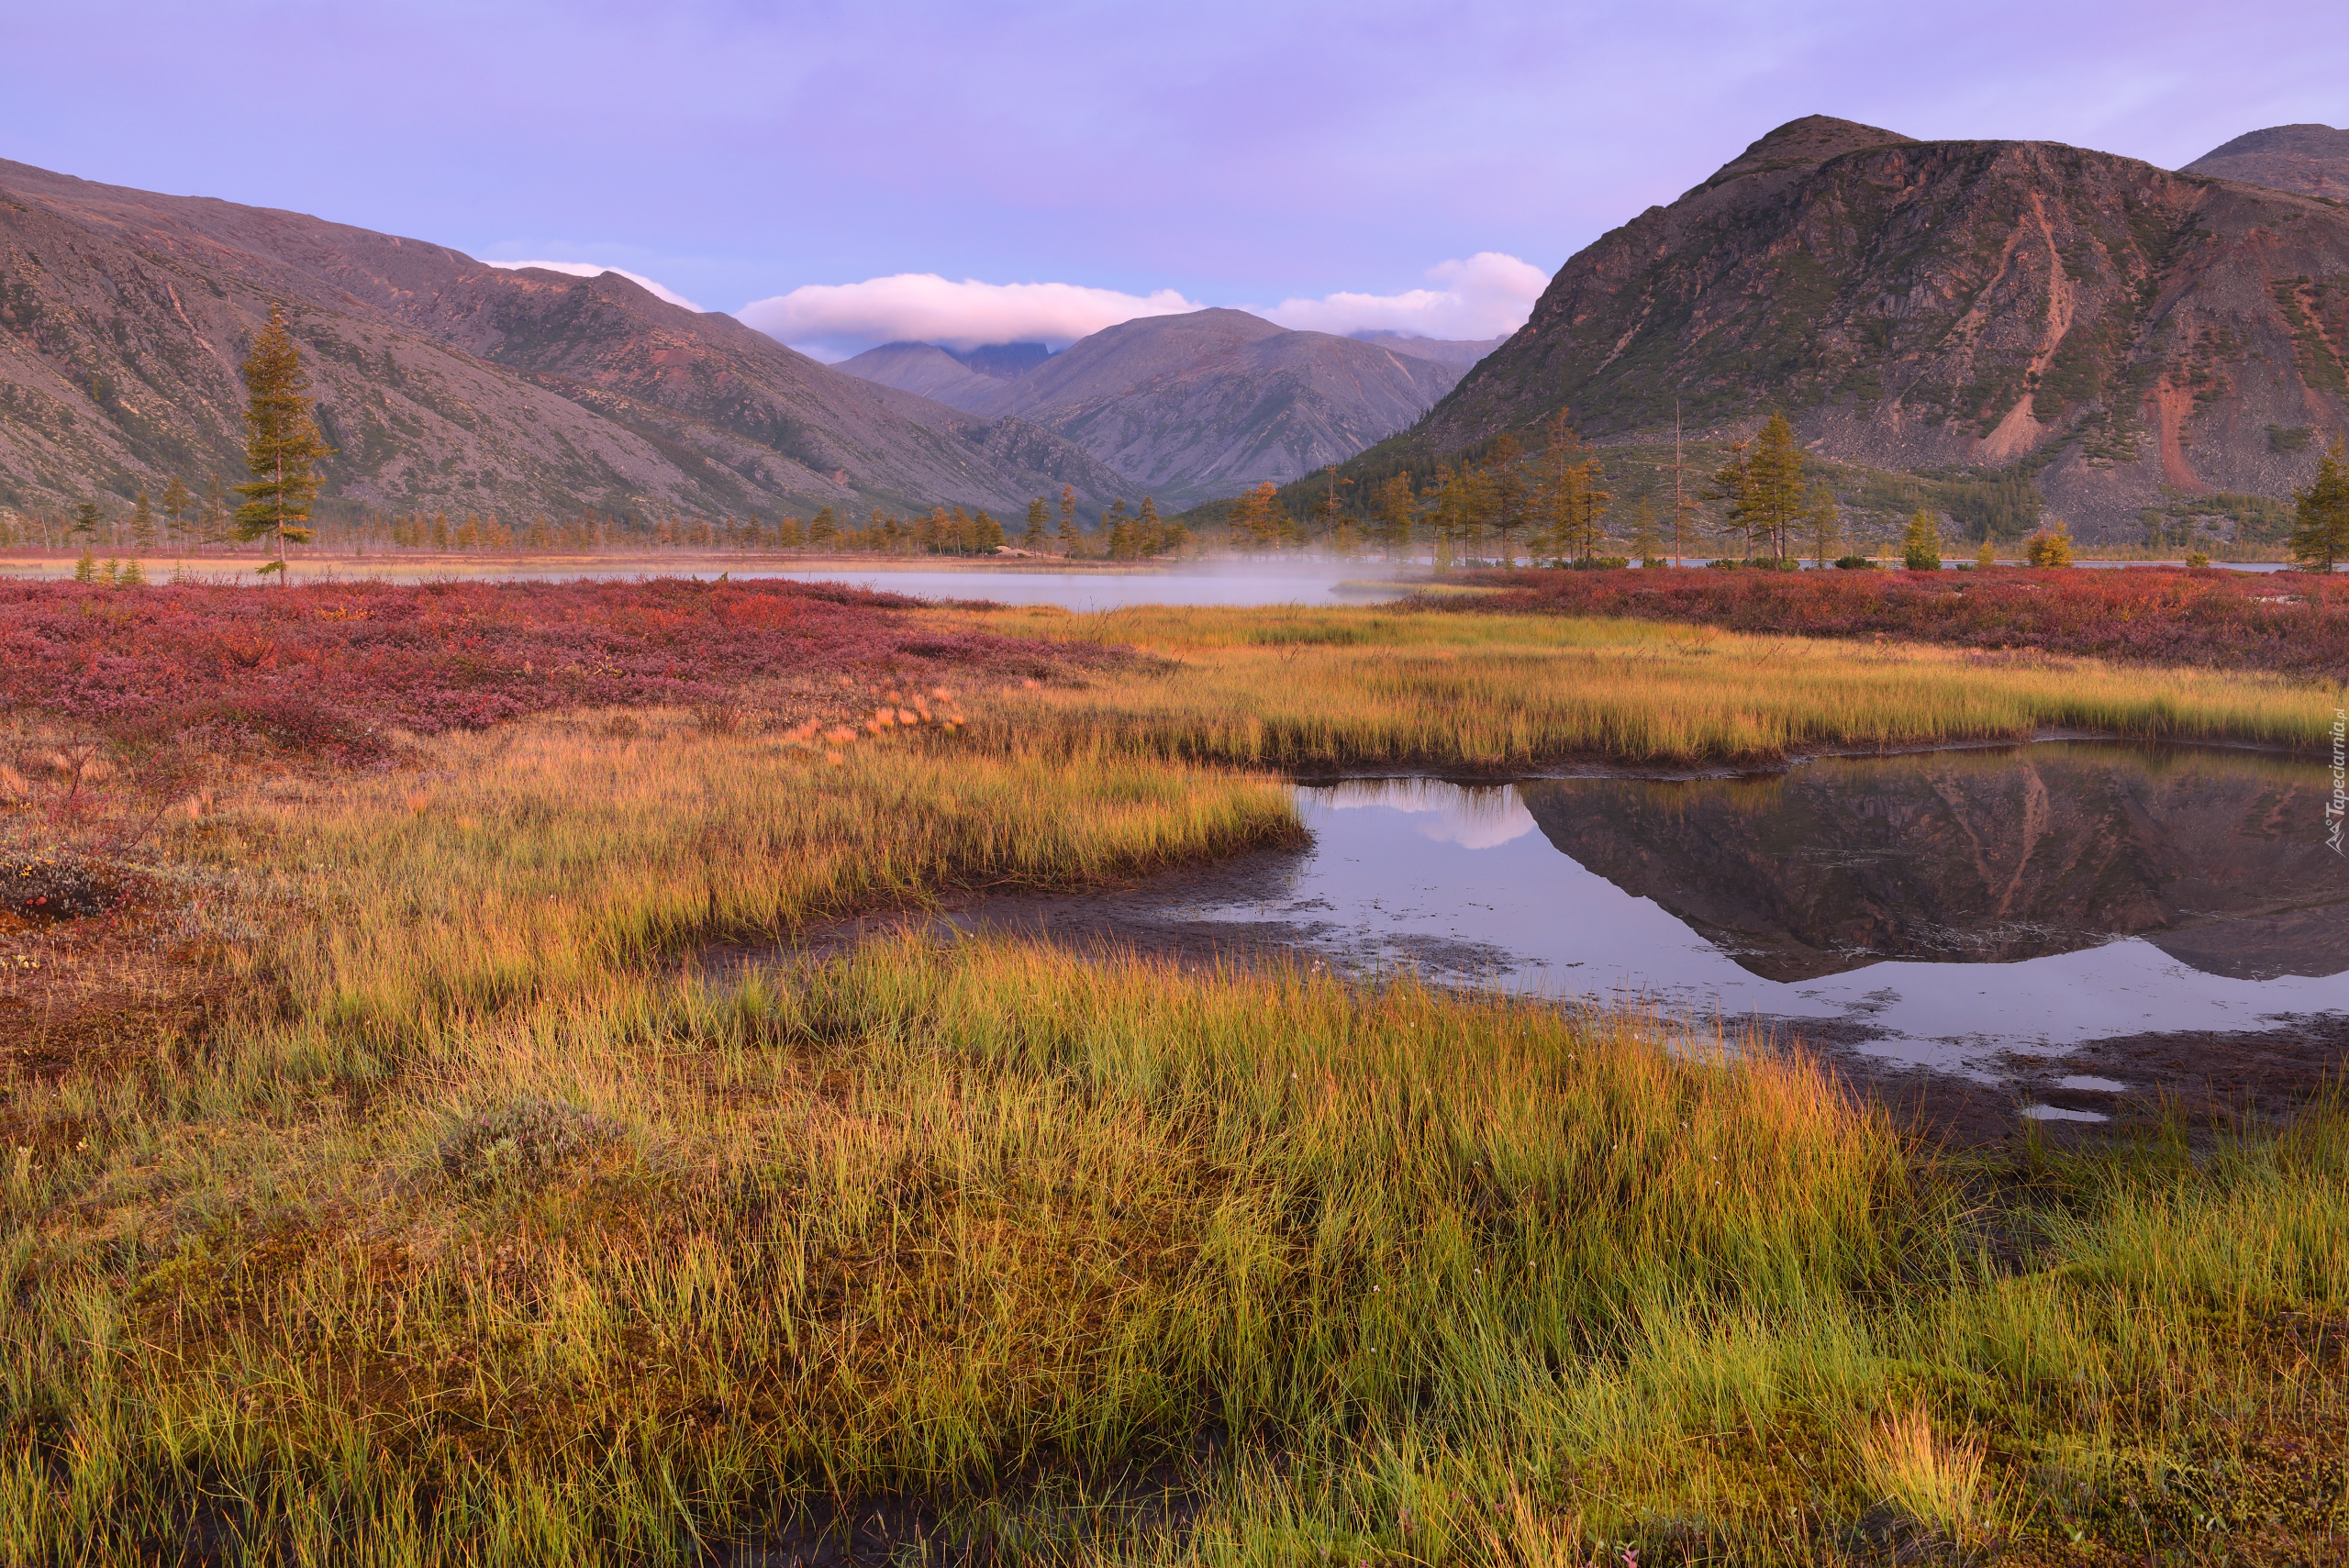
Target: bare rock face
{"type": "Point", "coordinates": [2313, 159]}
{"type": "Point", "coordinates": [1954, 304]}
{"type": "Point", "coordinates": [443, 383]}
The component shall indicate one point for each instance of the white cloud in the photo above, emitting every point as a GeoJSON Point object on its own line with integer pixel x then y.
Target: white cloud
{"type": "Point", "coordinates": [1484, 296]}
{"type": "Point", "coordinates": [922, 308]}
{"type": "Point", "coordinates": [592, 269]}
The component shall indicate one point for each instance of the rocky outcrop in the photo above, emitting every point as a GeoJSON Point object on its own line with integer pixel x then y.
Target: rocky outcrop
{"type": "Point", "coordinates": [443, 383]}
{"type": "Point", "coordinates": [2122, 333]}
{"type": "Point", "coordinates": [1979, 857]}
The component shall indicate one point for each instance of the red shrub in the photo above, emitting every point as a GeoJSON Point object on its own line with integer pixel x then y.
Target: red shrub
{"type": "Point", "coordinates": [325, 669]}
{"type": "Point", "coordinates": [2284, 622]}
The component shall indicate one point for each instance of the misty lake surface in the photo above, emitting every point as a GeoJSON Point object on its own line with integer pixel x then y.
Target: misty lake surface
{"type": "Point", "coordinates": [1937, 909]}
{"type": "Point", "coordinates": [1238, 585]}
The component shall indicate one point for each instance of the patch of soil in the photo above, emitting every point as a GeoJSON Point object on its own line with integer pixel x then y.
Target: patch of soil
{"type": "Point", "coordinates": [45, 889]}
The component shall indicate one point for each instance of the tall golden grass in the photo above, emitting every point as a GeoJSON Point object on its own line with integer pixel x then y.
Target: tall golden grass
{"type": "Point", "coordinates": [1367, 687]}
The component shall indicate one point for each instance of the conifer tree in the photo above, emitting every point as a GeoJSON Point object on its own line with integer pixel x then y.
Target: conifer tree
{"type": "Point", "coordinates": [282, 445]}
{"type": "Point", "coordinates": [1393, 505]}
{"type": "Point", "coordinates": [1150, 533]}
{"type": "Point", "coordinates": [212, 518]}
{"type": "Point", "coordinates": [823, 527]}
{"type": "Point", "coordinates": [142, 522]}
{"type": "Point", "coordinates": [2319, 538]}
{"type": "Point", "coordinates": [1922, 547]}
{"type": "Point", "coordinates": [1512, 498]}
{"type": "Point", "coordinates": [1038, 516]}
{"type": "Point", "coordinates": [1645, 544]}
{"type": "Point", "coordinates": [1068, 519]}
{"type": "Point", "coordinates": [1571, 503]}
{"type": "Point", "coordinates": [1819, 512]}
{"type": "Point", "coordinates": [86, 521]}
{"type": "Point", "coordinates": [176, 501]}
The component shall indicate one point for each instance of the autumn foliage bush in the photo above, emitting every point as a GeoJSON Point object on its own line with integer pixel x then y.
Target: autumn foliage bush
{"type": "Point", "coordinates": [2288, 622]}
{"type": "Point", "coordinates": [330, 669]}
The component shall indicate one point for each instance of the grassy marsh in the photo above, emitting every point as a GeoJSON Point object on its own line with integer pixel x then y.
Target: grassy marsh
{"type": "Point", "coordinates": [1340, 688]}
{"type": "Point", "coordinates": [466, 1229]}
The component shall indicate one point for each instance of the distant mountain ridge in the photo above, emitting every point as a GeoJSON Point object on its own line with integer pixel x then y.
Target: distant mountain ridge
{"type": "Point", "coordinates": [2124, 334]}
{"type": "Point", "coordinates": [1201, 405]}
{"type": "Point", "coordinates": [2313, 159]}
{"type": "Point", "coordinates": [443, 383]}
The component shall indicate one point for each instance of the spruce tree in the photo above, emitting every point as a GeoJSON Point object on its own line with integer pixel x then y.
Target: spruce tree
{"type": "Point", "coordinates": [143, 522]}
{"type": "Point", "coordinates": [2319, 538]}
{"type": "Point", "coordinates": [86, 521]}
{"type": "Point", "coordinates": [1039, 515]}
{"type": "Point", "coordinates": [282, 445]}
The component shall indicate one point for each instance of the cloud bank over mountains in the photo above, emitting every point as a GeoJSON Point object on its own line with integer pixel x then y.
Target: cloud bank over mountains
{"type": "Point", "coordinates": [594, 269]}
{"type": "Point", "coordinates": [831, 321]}
{"type": "Point", "coordinates": [1486, 295]}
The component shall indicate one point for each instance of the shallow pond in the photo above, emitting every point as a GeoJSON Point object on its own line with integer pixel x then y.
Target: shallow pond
{"type": "Point", "coordinates": [1956, 910]}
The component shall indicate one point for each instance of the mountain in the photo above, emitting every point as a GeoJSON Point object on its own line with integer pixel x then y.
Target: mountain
{"type": "Point", "coordinates": [925, 370]}
{"type": "Point", "coordinates": [442, 382]}
{"type": "Point", "coordinates": [1460, 351]}
{"type": "Point", "coordinates": [1199, 406]}
{"type": "Point", "coordinates": [2310, 159]}
{"type": "Point", "coordinates": [2124, 334]}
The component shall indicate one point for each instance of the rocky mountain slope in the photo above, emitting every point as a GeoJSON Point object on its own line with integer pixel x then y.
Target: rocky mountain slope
{"type": "Point", "coordinates": [1193, 406]}
{"type": "Point", "coordinates": [925, 370]}
{"type": "Point", "coordinates": [2121, 333]}
{"type": "Point", "coordinates": [444, 383]}
{"type": "Point", "coordinates": [1461, 351]}
{"type": "Point", "coordinates": [2310, 159]}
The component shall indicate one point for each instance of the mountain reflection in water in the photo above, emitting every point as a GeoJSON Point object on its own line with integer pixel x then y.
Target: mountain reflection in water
{"type": "Point", "coordinates": [1933, 905]}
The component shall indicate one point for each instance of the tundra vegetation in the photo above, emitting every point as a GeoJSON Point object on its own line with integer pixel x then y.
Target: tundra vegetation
{"type": "Point", "coordinates": [423, 1145]}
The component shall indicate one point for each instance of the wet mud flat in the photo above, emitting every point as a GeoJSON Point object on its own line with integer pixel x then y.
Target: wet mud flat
{"type": "Point", "coordinates": [2054, 940]}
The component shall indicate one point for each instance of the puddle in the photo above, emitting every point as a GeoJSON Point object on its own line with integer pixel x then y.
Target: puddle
{"type": "Point", "coordinates": [1950, 910]}
{"type": "Point", "coordinates": [1983, 913]}
{"type": "Point", "coordinates": [1981, 928]}
{"type": "Point", "coordinates": [2057, 1113]}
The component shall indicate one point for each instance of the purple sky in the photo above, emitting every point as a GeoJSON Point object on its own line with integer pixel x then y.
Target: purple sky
{"type": "Point", "coordinates": [1234, 154]}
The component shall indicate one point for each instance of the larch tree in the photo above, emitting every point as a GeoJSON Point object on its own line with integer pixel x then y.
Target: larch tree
{"type": "Point", "coordinates": [1646, 545]}
{"type": "Point", "coordinates": [2319, 538]}
{"type": "Point", "coordinates": [1068, 519]}
{"type": "Point", "coordinates": [143, 522]}
{"type": "Point", "coordinates": [1921, 548]}
{"type": "Point", "coordinates": [1571, 503]}
{"type": "Point", "coordinates": [1394, 505]}
{"type": "Point", "coordinates": [1039, 515]}
{"type": "Point", "coordinates": [1819, 512]}
{"type": "Point", "coordinates": [212, 517]}
{"type": "Point", "coordinates": [1763, 484]}
{"type": "Point", "coordinates": [282, 446]}
{"type": "Point", "coordinates": [1512, 497]}
{"type": "Point", "coordinates": [176, 501]}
